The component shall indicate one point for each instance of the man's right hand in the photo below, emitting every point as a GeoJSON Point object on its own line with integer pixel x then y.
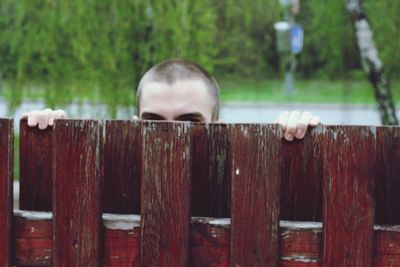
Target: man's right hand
{"type": "Point", "coordinates": [43, 118]}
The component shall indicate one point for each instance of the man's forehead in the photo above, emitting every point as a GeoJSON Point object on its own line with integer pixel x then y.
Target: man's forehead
{"type": "Point", "coordinates": [177, 88]}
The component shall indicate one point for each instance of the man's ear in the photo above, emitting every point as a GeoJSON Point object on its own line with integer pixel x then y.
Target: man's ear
{"type": "Point", "coordinates": [135, 118]}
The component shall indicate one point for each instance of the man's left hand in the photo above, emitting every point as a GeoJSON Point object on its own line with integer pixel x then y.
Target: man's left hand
{"type": "Point", "coordinates": [295, 124]}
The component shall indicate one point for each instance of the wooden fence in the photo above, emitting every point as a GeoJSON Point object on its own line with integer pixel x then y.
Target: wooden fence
{"type": "Point", "coordinates": [208, 195]}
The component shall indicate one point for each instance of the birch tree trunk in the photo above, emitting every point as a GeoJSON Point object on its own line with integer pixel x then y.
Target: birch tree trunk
{"type": "Point", "coordinates": [371, 62]}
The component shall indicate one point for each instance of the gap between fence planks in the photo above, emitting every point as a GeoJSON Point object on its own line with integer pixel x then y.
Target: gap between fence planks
{"type": "Point", "coordinates": [35, 159]}
{"type": "Point", "coordinates": [6, 190]}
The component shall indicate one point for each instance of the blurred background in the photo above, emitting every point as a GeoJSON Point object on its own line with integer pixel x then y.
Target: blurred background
{"type": "Point", "coordinates": [87, 56]}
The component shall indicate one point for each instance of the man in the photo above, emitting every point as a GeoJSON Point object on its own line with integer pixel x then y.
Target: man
{"type": "Point", "coordinates": [179, 90]}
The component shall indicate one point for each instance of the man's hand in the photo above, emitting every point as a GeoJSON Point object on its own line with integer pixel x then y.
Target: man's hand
{"type": "Point", "coordinates": [43, 118]}
{"type": "Point", "coordinates": [295, 124]}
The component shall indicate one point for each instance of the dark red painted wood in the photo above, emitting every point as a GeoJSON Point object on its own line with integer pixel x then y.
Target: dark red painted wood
{"type": "Point", "coordinates": [122, 162]}
{"type": "Point", "coordinates": [35, 159]}
{"type": "Point", "coordinates": [211, 174]}
{"type": "Point", "coordinates": [210, 239]}
{"type": "Point", "coordinates": [33, 239]}
{"type": "Point", "coordinates": [301, 185]}
{"type": "Point", "coordinates": [349, 171]}
{"type": "Point", "coordinates": [255, 195]}
{"type": "Point", "coordinates": [165, 194]}
{"type": "Point", "coordinates": [77, 192]}
{"type": "Point", "coordinates": [388, 177]}
{"type": "Point", "coordinates": [6, 189]}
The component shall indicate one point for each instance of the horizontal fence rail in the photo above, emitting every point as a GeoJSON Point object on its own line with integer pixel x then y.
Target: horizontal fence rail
{"type": "Point", "coordinates": [207, 195]}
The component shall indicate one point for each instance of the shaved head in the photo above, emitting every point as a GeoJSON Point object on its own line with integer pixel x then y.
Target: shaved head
{"type": "Point", "coordinates": [174, 70]}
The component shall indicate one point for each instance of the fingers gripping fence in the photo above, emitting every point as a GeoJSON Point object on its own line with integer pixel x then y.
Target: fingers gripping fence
{"type": "Point", "coordinates": [207, 195]}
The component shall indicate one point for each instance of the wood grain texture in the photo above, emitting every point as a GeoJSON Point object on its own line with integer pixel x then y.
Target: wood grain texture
{"type": "Point", "coordinates": [165, 194]}
{"type": "Point", "coordinates": [77, 192]}
{"type": "Point", "coordinates": [35, 159]}
{"type": "Point", "coordinates": [122, 163]}
{"type": "Point", "coordinates": [349, 171]}
{"type": "Point", "coordinates": [210, 237]}
{"type": "Point", "coordinates": [301, 184]}
{"type": "Point", "coordinates": [210, 241]}
{"type": "Point", "coordinates": [6, 189]}
{"type": "Point", "coordinates": [387, 195]}
{"type": "Point", "coordinates": [211, 173]}
{"type": "Point", "coordinates": [255, 195]}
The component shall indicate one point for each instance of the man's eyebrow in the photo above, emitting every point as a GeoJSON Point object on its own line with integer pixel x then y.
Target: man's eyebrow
{"type": "Point", "coordinates": [190, 117]}
{"type": "Point", "coordinates": [151, 116]}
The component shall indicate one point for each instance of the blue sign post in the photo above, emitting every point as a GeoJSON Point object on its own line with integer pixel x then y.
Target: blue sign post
{"type": "Point", "coordinates": [296, 38]}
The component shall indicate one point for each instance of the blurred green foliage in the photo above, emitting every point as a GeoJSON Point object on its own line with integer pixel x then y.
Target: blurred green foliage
{"type": "Point", "coordinates": [70, 47]}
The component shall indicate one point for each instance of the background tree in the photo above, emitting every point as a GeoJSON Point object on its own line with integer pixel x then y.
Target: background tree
{"type": "Point", "coordinates": [371, 61]}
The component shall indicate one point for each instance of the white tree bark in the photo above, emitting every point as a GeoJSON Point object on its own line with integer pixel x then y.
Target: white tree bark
{"type": "Point", "coordinates": [371, 62]}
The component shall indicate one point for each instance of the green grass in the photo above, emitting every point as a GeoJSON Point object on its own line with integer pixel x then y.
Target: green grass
{"type": "Point", "coordinates": [307, 91]}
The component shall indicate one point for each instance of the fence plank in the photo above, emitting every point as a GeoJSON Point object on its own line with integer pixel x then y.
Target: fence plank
{"type": "Point", "coordinates": [122, 162]}
{"type": "Point", "coordinates": [6, 189]}
{"type": "Point", "coordinates": [35, 168]}
{"type": "Point", "coordinates": [77, 192]}
{"type": "Point", "coordinates": [349, 165]}
{"type": "Point", "coordinates": [211, 174]}
{"type": "Point", "coordinates": [388, 177]}
{"type": "Point", "coordinates": [301, 185]}
{"type": "Point", "coordinates": [165, 195]}
{"type": "Point", "coordinates": [255, 195]}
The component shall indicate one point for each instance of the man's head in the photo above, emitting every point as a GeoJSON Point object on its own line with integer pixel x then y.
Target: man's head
{"type": "Point", "coordinates": [178, 90]}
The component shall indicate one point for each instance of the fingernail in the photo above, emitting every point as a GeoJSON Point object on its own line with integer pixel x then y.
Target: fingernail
{"type": "Point", "coordinates": [42, 126]}
{"type": "Point", "coordinates": [30, 122]}
{"type": "Point", "coordinates": [299, 133]}
{"type": "Point", "coordinates": [289, 137]}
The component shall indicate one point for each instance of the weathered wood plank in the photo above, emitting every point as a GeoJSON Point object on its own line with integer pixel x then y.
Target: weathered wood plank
{"type": "Point", "coordinates": [122, 162]}
{"type": "Point", "coordinates": [77, 192]}
{"type": "Point", "coordinates": [255, 194]}
{"type": "Point", "coordinates": [349, 172]}
{"type": "Point", "coordinates": [6, 189]}
{"type": "Point", "coordinates": [165, 194]}
{"type": "Point", "coordinates": [387, 195]}
{"type": "Point", "coordinates": [35, 159]}
{"type": "Point", "coordinates": [301, 184]}
{"type": "Point", "coordinates": [211, 174]}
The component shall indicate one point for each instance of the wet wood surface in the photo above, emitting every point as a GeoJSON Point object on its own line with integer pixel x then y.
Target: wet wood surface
{"type": "Point", "coordinates": [387, 179]}
{"type": "Point", "coordinates": [165, 194]}
{"type": "Point", "coordinates": [6, 189]}
{"type": "Point", "coordinates": [77, 192]}
{"type": "Point", "coordinates": [211, 170]}
{"type": "Point", "coordinates": [122, 163]}
{"type": "Point", "coordinates": [349, 172]}
{"type": "Point", "coordinates": [325, 153]}
{"type": "Point", "coordinates": [301, 242]}
{"type": "Point", "coordinates": [255, 195]}
{"type": "Point", "coordinates": [302, 172]}
{"type": "Point", "coordinates": [35, 167]}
